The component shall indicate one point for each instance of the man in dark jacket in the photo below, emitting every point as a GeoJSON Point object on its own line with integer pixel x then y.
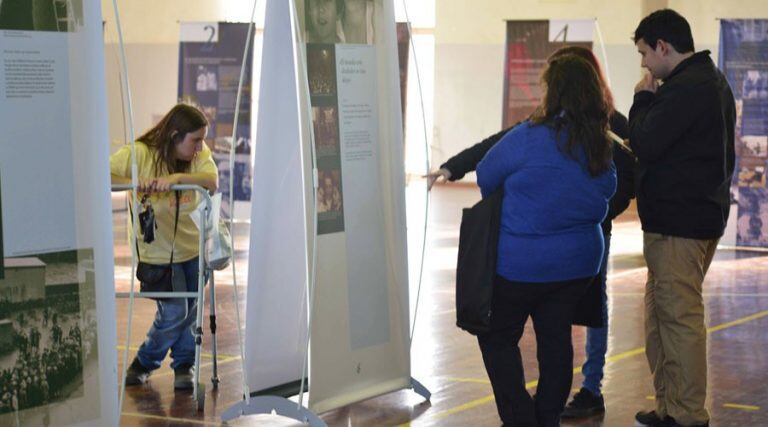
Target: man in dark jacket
{"type": "Point", "coordinates": [682, 132]}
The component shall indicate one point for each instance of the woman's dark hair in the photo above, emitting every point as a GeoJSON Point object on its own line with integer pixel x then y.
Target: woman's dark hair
{"type": "Point", "coordinates": [588, 55]}
{"type": "Point", "coordinates": [162, 139]}
{"type": "Point", "coordinates": [667, 25]}
{"type": "Point", "coordinates": [573, 100]}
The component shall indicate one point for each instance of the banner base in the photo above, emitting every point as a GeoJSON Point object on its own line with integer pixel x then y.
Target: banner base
{"type": "Point", "coordinates": [273, 404]}
{"type": "Point", "coordinates": [419, 389]}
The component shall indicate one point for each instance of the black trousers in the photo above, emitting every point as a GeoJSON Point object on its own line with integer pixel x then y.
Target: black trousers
{"type": "Point", "coordinates": [551, 306]}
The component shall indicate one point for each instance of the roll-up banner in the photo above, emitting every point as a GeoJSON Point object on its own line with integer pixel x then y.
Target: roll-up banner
{"type": "Point", "coordinates": [210, 59]}
{"type": "Point", "coordinates": [360, 342]}
{"type": "Point", "coordinates": [281, 222]}
{"type": "Point", "coordinates": [529, 44]}
{"type": "Point", "coordinates": [57, 314]}
{"type": "Point", "coordinates": [744, 60]}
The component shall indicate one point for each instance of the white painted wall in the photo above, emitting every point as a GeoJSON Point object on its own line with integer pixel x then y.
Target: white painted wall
{"type": "Point", "coordinates": [151, 36]}
{"type": "Point", "coordinates": [459, 46]}
{"type": "Point", "coordinates": [469, 53]}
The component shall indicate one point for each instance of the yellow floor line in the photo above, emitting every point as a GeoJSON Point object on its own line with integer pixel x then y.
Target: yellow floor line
{"type": "Point", "coordinates": [744, 407]}
{"type": "Point", "coordinates": [738, 321]}
{"type": "Point", "coordinates": [468, 380]}
{"type": "Point", "coordinates": [202, 365]}
{"type": "Point", "coordinates": [615, 358]}
{"type": "Point", "coordinates": [177, 420]}
{"type": "Point", "coordinates": [221, 356]}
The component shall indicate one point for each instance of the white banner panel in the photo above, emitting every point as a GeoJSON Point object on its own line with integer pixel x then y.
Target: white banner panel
{"type": "Point", "coordinates": [57, 284]}
{"type": "Point", "coordinates": [571, 30]}
{"type": "Point", "coordinates": [360, 320]}
{"type": "Point", "coordinates": [276, 319]}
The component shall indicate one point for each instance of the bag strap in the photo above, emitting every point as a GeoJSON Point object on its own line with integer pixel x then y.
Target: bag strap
{"type": "Point", "coordinates": [177, 193]}
{"type": "Point", "coordinates": [135, 232]}
{"type": "Point", "coordinates": [175, 223]}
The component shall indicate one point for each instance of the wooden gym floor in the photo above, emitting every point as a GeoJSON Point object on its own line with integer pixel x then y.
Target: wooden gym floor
{"type": "Point", "coordinates": [447, 360]}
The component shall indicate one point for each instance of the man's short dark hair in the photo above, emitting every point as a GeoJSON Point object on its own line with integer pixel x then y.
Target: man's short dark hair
{"type": "Point", "coordinates": [667, 25]}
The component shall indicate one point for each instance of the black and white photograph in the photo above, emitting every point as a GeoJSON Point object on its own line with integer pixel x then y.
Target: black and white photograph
{"type": "Point", "coordinates": [755, 85]}
{"type": "Point", "coordinates": [48, 340]}
{"type": "Point", "coordinates": [329, 191]}
{"type": "Point", "coordinates": [243, 172]}
{"type": "Point", "coordinates": [41, 15]}
{"type": "Point", "coordinates": [753, 217]}
{"type": "Point", "coordinates": [754, 146]}
{"type": "Point", "coordinates": [357, 24]}
{"type": "Point", "coordinates": [751, 173]}
{"type": "Point", "coordinates": [206, 79]}
{"type": "Point", "coordinates": [322, 20]}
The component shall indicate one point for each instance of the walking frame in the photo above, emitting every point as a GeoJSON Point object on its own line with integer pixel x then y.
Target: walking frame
{"type": "Point", "coordinates": [198, 388]}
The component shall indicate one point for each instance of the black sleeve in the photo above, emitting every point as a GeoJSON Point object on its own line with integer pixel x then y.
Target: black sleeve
{"type": "Point", "coordinates": [657, 121]}
{"type": "Point", "coordinates": [625, 169]}
{"type": "Point", "coordinates": [467, 160]}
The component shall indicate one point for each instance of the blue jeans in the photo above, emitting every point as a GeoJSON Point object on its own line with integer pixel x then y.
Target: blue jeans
{"type": "Point", "coordinates": [173, 325]}
{"type": "Point", "coordinates": [597, 338]}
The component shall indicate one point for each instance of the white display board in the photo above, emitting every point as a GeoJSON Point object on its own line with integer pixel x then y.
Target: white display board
{"type": "Point", "coordinates": [345, 93]}
{"type": "Point", "coordinates": [58, 282]}
{"type": "Point", "coordinates": [360, 341]}
{"type": "Point", "coordinates": [276, 319]}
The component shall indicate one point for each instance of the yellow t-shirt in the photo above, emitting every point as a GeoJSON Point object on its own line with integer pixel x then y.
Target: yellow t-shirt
{"type": "Point", "coordinates": [186, 244]}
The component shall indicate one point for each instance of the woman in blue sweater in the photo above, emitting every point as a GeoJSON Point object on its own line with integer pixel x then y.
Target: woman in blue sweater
{"type": "Point", "coordinates": [557, 177]}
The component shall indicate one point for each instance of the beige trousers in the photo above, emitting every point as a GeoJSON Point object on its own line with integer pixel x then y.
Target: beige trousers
{"type": "Point", "coordinates": [675, 334]}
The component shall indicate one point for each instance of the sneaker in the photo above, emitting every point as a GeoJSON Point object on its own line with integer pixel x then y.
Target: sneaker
{"type": "Point", "coordinates": [136, 374]}
{"type": "Point", "coordinates": [650, 419]}
{"type": "Point", "coordinates": [184, 377]}
{"type": "Point", "coordinates": [584, 404]}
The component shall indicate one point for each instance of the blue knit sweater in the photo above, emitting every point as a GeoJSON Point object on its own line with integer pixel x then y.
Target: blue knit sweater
{"type": "Point", "coordinates": [552, 207]}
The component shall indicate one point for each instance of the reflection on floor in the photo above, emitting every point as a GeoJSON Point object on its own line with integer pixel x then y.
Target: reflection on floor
{"type": "Point", "coordinates": [448, 362]}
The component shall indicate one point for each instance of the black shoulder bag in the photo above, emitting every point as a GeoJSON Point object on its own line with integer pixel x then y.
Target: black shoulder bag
{"type": "Point", "coordinates": [153, 277]}
{"type": "Point", "coordinates": [476, 266]}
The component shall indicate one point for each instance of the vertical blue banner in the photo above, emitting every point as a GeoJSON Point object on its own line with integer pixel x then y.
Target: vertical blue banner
{"type": "Point", "coordinates": [744, 60]}
{"type": "Point", "coordinates": [210, 59]}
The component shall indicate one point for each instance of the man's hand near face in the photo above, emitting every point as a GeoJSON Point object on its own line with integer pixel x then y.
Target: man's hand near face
{"type": "Point", "coordinates": [647, 83]}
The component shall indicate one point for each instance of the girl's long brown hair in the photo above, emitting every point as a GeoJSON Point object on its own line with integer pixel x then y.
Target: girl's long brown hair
{"type": "Point", "coordinates": [162, 139]}
{"type": "Point", "coordinates": [574, 100]}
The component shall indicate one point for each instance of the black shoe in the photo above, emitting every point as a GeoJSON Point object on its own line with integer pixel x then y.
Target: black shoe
{"type": "Point", "coordinates": [670, 422]}
{"type": "Point", "coordinates": [136, 374]}
{"type": "Point", "coordinates": [650, 419]}
{"type": "Point", "coordinates": [184, 377]}
{"type": "Point", "coordinates": [584, 404]}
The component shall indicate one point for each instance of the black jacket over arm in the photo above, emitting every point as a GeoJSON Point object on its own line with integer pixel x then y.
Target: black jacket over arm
{"type": "Point", "coordinates": [683, 136]}
{"type": "Point", "coordinates": [467, 160]}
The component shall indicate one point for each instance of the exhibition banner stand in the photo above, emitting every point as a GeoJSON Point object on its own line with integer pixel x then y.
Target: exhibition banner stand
{"type": "Point", "coordinates": [744, 61]}
{"type": "Point", "coordinates": [529, 44]}
{"type": "Point", "coordinates": [57, 311]}
{"type": "Point", "coordinates": [281, 228]}
{"type": "Point", "coordinates": [210, 61]}
{"type": "Point", "coordinates": [328, 230]}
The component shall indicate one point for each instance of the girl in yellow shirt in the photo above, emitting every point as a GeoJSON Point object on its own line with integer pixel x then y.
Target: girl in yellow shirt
{"type": "Point", "coordinates": [172, 152]}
